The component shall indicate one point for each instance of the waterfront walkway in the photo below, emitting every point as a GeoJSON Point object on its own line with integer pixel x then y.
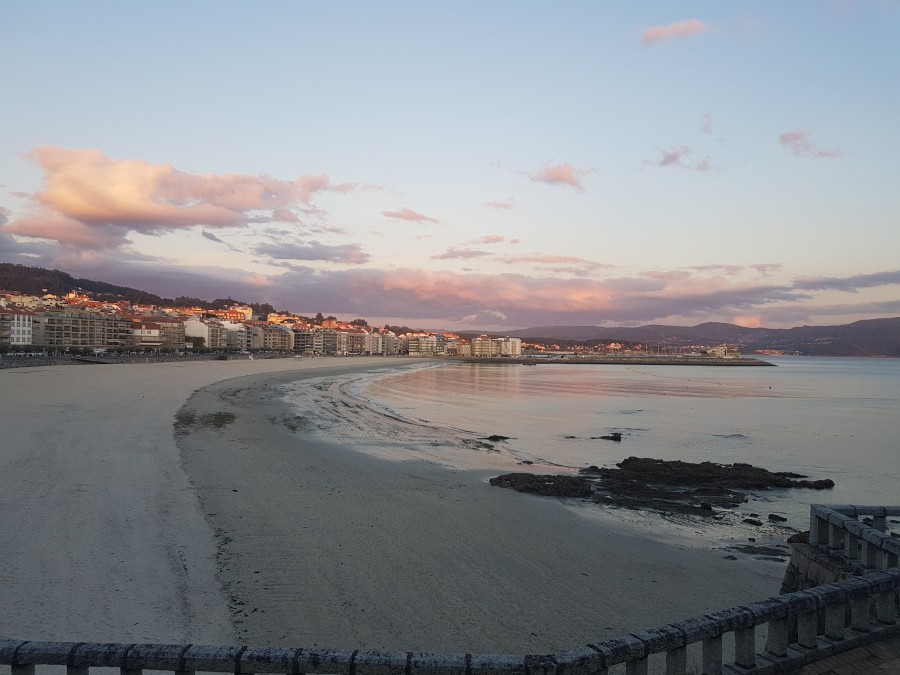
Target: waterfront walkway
{"type": "Point", "coordinates": [879, 658]}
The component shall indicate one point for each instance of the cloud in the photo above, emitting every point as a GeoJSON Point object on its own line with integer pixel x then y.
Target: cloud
{"type": "Point", "coordinates": [91, 200]}
{"type": "Point", "coordinates": [729, 270]}
{"type": "Point", "coordinates": [464, 253]}
{"type": "Point", "coordinates": [211, 237]}
{"type": "Point", "coordinates": [4, 215]}
{"type": "Point", "coordinates": [553, 260]}
{"type": "Point", "coordinates": [767, 268]}
{"type": "Point", "coordinates": [408, 214]}
{"type": "Point", "coordinates": [501, 205]}
{"type": "Point", "coordinates": [673, 31]}
{"type": "Point", "coordinates": [485, 316]}
{"type": "Point", "coordinates": [678, 156]}
{"type": "Point", "coordinates": [433, 297]}
{"type": "Point", "coordinates": [560, 174]}
{"type": "Point", "coordinates": [345, 253]}
{"type": "Point", "coordinates": [802, 144]}
{"type": "Point", "coordinates": [707, 127]}
{"type": "Point", "coordinates": [490, 239]}
{"type": "Point", "coordinates": [849, 284]}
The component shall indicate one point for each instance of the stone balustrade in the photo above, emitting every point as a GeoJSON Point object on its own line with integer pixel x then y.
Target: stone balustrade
{"type": "Point", "coordinates": [773, 636]}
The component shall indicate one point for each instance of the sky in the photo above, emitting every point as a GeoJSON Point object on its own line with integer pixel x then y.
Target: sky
{"type": "Point", "coordinates": [464, 166]}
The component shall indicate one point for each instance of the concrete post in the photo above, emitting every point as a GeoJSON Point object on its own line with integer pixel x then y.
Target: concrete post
{"type": "Point", "coordinates": [879, 523]}
{"type": "Point", "coordinates": [712, 656]}
{"type": "Point", "coordinates": [745, 647]}
{"type": "Point", "coordinates": [859, 613]}
{"type": "Point", "coordinates": [835, 537]}
{"type": "Point", "coordinates": [885, 611]}
{"type": "Point", "coordinates": [637, 667]}
{"type": "Point", "coordinates": [676, 661]}
{"type": "Point", "coordinates": [807, 625]}
{"type": "Point", "coordinates": [872, 555]}
{"type": "Point", "coordinates": [777, 640]}
{"type": "Point", "coordinates": [834, 620]}
{"type": "Point", "coordinates": [852, 548]}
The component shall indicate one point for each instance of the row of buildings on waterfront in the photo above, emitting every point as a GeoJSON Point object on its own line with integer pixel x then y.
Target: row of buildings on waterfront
{"type": "Point", "coordinates": [78, 322]}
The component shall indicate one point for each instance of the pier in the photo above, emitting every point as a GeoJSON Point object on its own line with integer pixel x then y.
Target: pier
{"type": "Point", "coordinates": [778, 635]}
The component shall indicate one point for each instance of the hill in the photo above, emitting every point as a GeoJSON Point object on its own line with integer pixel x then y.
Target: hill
{"type": "Point", "coordinates": [871, 337]}
{"type": "Point", "coordinates": [40, 281]}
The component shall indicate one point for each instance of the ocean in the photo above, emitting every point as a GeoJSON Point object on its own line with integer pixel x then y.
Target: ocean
{"type": "Point", "coordinates": [821, 417]}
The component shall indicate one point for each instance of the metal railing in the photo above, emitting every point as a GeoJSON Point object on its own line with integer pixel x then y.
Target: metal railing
{"type": "Point", "coordinates": [800, 628]}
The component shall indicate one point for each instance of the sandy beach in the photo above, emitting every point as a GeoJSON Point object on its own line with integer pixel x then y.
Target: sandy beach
{"type": "Point", "coordinates": [178, 503]}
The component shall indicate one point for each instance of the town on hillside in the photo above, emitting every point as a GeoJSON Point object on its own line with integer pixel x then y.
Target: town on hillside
{"type": "Point", "coordinates": [77, 323]}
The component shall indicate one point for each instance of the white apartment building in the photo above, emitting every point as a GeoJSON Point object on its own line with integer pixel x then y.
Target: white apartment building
{"type": "Point", "coordinates": [485, 347]}
{"type": "Point", "coordinates": [236, 335]}
{"type": "Point", "coordinates": [15, 327]}
{"type": "Point", "coordinates": [211, 331]}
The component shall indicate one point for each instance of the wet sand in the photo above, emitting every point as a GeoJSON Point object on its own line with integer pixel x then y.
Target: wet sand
{"type": "Point", "coordinates": [234, 526]}
{"type": "Point", "coordinates": [322, 545]}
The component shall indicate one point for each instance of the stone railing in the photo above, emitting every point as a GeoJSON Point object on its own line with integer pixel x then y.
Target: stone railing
{"type": "Point", "coordinates": [794, 629]}
{"type": "Point", "coordinates": [836, 530]}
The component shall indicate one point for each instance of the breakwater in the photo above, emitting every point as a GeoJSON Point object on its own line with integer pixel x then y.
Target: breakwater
{"type": "Point", "coordinates": [624, 361]}
{"type": "Point", "coordinates": [777, 635]}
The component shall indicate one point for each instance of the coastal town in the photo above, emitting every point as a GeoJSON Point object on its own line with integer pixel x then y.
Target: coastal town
{"type": "Point", "coordinates": [77, 323]}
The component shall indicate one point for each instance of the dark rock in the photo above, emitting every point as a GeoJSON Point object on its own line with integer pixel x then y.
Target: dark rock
{"type": "Point", "coordinates": [527, 461]}
{"type": "Point", "coordinates": [738, 475]}
{"type": "Point", "coordinates": [799, 538]}
{"type": "Point", "coordinates": [775, 518]}
{"type": "Point", "coordinates": [659, 485]}
{"type": "Point", "coordinates": [729, 557]}
{"type": "Point", "coordinates": [753, 539]}
{"type": "Point", "coordinates": [614, 436]}
{"type": "Point", "coordinates": [550, 486]}
{"type": "Point", "coordinates": [570, 437]}
{"type": "Point", "coordinates": [495, 438]}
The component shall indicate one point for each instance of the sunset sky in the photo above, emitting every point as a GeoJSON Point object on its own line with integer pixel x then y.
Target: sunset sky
{"type": "Point", "coordinates": [463, 165]}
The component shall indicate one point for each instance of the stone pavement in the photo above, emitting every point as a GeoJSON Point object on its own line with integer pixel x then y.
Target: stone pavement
{"type": "Point", "coordinates": [879, 658]}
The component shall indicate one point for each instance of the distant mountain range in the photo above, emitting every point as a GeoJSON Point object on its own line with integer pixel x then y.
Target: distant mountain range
{"type": "Point", "coordinates": [872, 337]}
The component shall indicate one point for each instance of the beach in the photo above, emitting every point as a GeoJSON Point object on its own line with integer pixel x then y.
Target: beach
{"type": "Point", "coordinates": [183, 503]}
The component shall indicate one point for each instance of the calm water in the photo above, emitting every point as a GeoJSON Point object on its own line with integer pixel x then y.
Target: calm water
{"type": "Point", "coordinates": [827, 418]}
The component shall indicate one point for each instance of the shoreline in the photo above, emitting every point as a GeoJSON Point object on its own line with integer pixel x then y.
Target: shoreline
{"type": "Point", "coordinates": [102, 536]}
{"type": "Point", "coordinates": [323, 545]}
{"type": "Point", "coordinates": [243, 530]}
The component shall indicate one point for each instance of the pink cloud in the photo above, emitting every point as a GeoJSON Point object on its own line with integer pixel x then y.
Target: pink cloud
{"type": "Point", "coordinates": [560, 174]}
{"type": "Point", "coordinates": [491, 239]}
{"type": "Point", "coordinates": [802, 144]}
{"type": "Point", "coordinates": [678, 157]}
{"type": "Point", "coordinates": [464, 253]}
{"type": "Point", "coordinates": [673, 31]}
{"type": "Point", "coordinates": [554, 260]}
{"type": "Point", "coordinates": [729, 270]}
{"type": "Point", "coordinates": [410, 215]}
{"type": "Point", "coordinates": [501, 205]}
{"type": "Point", "coordinates": [91, 200]}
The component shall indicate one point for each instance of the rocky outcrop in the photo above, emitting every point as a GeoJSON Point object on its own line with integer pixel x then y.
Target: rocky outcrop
{"type": "Point", "coordinates": [661, 485]}
{"type": "Point", "coordinates": [550, 486]}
